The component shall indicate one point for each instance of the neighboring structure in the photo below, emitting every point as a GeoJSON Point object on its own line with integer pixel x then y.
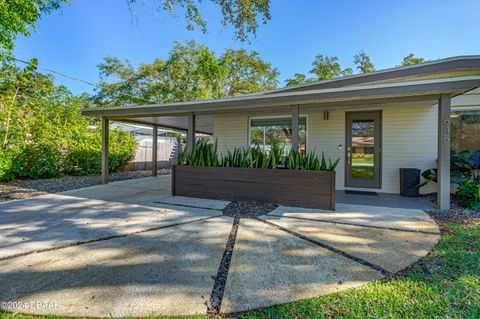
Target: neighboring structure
{"type": "Point", "coordinates": [166, 147]}
{"type": "Point", "coordinates": [166, 153]}
{"type": "Point", "coordinates": [402, 113]}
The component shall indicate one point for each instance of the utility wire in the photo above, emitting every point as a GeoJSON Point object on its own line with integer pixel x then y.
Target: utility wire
{"type": "Point", "coordinates": [80, 80]}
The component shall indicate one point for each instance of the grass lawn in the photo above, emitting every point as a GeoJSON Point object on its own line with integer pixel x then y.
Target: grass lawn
{"type": "Point", "coordinates": [445, 284]}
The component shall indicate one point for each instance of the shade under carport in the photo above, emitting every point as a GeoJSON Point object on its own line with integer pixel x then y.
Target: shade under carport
{"type": "Point", "coordinates": [197, 116]}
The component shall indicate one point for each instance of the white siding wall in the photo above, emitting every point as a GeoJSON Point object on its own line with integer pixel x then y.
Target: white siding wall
{"type": "Point", "coordinates": [409, 138]}
{"type": "Point", "coordinates": [471, 98]}
{"type": "Point", "coordinates": [230, 131]}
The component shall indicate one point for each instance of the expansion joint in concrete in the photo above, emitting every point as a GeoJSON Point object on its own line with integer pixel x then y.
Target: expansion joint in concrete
{"type": "Point", "coordinates": [90, 241]}
{"type": "Point", "coordinates": [362, 225]}
{"type": "Point", "coordinates": [215, 302]}
{"type": "Point", "coordinates": [330, 248]}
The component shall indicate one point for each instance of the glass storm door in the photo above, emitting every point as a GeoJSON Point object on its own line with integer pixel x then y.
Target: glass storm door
{"type": "Point", "coordinates": [363, 149]}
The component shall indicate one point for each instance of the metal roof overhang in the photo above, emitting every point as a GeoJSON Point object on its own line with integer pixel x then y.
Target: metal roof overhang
{"type": "Point", "coordinates": [174, 115]}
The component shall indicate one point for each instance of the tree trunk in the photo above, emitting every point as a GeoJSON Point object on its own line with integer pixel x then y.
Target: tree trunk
{"type": "Point", "coordinates": [9, 112]}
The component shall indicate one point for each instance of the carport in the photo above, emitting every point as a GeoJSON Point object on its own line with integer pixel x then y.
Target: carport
{"type": "Point", "coordinates": [198, 116]}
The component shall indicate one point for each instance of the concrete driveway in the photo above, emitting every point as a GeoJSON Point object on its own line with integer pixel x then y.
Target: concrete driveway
{"type": "Point", "coordinates": [129, 248]}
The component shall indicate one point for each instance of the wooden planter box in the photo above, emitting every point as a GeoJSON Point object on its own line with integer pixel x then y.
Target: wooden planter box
{"type": "Point", "coordinates": [312, 189]}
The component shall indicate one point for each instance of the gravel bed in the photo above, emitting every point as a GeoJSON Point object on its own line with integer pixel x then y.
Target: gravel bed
{"type": "Point", "coordinates": [248, 209]}
{"type": "Point", "coordinates": [33, 187]}
{"type": "Point", "coordinates": [456, 213]}
{"type": "Point", "coordinates": [215, 302]}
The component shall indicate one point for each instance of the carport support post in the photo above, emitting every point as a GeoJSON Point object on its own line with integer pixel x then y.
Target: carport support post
{"type": "Point", "coordinates": [191, 133]}
{"type": "Point", "coordinates": [154, 150]}
{"type": "Point", "coordinates": [295, 133]}
{"type": "Point", "coordinates": [443, 175]}
{"type": "Point", "coordinates": [105, 131]}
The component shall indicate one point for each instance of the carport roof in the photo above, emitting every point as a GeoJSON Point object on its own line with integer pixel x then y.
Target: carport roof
{"type": "Point", "coordinates": [174, 115]}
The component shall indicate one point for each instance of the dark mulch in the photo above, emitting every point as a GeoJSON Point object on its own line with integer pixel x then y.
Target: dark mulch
{"type": "Point", "coordinates": [248, 209]}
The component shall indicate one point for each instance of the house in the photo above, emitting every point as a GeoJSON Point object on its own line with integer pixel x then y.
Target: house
{"type": "Point", "coordinates": [376, 122]}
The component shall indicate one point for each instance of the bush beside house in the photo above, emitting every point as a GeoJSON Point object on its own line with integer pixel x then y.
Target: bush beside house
{"type": "Point", "coordinates": [43, 134]}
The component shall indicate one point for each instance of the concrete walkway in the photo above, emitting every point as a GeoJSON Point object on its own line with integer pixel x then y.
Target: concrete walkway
{"type": "Point", "coordinates": [131, 249]}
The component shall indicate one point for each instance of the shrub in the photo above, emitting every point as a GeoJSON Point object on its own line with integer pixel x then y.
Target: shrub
{"type": "Point", "coordinates": [6, 162]}
{"type": "Point", "coordinates": [469, 193]}
{"type": "Point", "coordinates": [85, 157]}
{"type": "Point", "coordinates": [82, 157]}
{"type": "Point", "coordinates": [43, 160]}
{"type": "Point", "coordinates": [463, 166]}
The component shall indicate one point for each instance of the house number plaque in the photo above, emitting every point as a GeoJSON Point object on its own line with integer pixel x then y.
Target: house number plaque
{"type": "Point", "coordinates": [446, 131]}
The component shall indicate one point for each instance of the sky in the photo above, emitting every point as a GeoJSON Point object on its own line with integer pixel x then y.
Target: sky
{"type": "Point", "coordinates": [75, 39]}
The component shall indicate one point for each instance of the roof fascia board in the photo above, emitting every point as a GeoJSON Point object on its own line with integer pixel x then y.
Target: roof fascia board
{"type": "Point", "coordinates": [456, 63]}
{"type": "Point", "coordinates": [292, 98]}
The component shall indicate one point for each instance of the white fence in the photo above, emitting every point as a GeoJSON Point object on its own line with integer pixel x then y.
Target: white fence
{"type": "Point", "coordinates": [167, 154]}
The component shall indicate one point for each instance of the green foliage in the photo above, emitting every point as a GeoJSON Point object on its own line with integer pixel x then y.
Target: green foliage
{"type": "Point", "coordinates": [445, 284]}
{"type": "Point", "coordinates": [191, 72]}
{"type": "Point", "coordinates": [20, 17]}
{"type": "Point", "coordinates": [43, 134]}
{"type": "Point", "coordinates": [85, 157]}
{"type": "Point", "coordinates": [38, 161]}
{"type": "Point", "coordinates": [203, 154]}
{"type": "Point", "coordinates": [323, 68]}
{"type": "Point", "coordinates": [464, 171]}
{"type": "Point", "coordinates": [243, 16]}
{"type": "Point", "coordinates": [469, 192]}
{"type": "Point", "coordinates": [310, 161]}
{"type": "Point", "coordinates": [411, 59]}
{"type": "Point", "coordinates": [463, 166]}
{"type": "Point", "coordinates": [299, 78]}
{"type": "Point", "coordinates": [206, 154]}
{"type": "Point", "coordinates": [363, 62]}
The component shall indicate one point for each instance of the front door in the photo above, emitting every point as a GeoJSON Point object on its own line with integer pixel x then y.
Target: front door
{"type": "Point", "coordinates": [363, 149]}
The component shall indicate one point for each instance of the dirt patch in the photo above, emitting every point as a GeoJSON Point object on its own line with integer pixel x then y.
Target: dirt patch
{"type": "Point", "coordinates": [248, 209]}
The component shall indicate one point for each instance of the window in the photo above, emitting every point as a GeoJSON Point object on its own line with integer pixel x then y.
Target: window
{"type": "Point", "coordinates": [465, 130]}
{"type": "Point", "coordinates": [266, 131]}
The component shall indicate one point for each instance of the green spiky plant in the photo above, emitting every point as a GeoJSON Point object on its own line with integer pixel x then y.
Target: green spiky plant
{"type": "Point", "coordinates": [310, 161]}
{"type": "Point", "coordinates": [203, 154]}
{"type": "Point", "coordinates": [206, 154]}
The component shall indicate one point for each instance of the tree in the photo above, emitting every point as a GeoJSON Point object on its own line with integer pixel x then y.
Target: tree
{"type": "Point", "coordinates": [191, 72]}
{"type": "Point", "coordinates": [347, 72]}
{"type": "Point", "coordinates": [299, 78]}
{"type": "Point", "coordinates": [242, 15]}
{"type": "Point", "coordinates": [20, 17]}
{"type": "Point", "coordinates": [325, 67]}
{"type": "Point", "coordinates": [363, 62]}
{"type": "Point", "coordinates": [411, 59]}
{"type": "Point", "coordinates": [43, 134]}
{"type": "Point", "coordinates": [246, 73]}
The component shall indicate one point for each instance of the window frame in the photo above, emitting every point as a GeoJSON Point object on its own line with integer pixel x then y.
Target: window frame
{"type": "Point", "coordinates": [307, 125]}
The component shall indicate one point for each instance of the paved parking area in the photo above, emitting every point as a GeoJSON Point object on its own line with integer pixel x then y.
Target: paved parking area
{"type": "Point", "coordinates": [130, 248]}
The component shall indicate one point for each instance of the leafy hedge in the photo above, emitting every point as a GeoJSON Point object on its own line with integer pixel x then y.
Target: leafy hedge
{"type": "Point", "coordinates": [47, 159]}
